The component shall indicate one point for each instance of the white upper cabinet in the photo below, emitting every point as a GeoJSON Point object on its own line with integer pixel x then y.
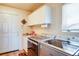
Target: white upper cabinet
{"type": "Point", "coordinates": [41, 16]}
{"type": "Point", "coordinates": [70, 17]}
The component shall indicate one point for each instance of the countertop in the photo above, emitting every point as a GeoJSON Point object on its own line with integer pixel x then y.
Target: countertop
{"type": "Point", "coordinates": [38, 38]}
{"type": "Point", "coordinates": [68, 49]}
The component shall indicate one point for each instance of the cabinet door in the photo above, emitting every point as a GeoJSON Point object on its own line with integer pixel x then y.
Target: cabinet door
{"type": "Point", "coordinates": [51, 51]}
{"type": "Point", "coordinates": [40, 16]}
{"type": "Point", "coordinates": [4, 41]}
{"type": "Point", "coordinates": [12, 32]}
{"type": "Point", "coordinates": [13, 41]}
{"type": "Point", "coordinates": [43, 51]}
{"type": "Point", "coordinates": [8, 31]}
{"type": "Point", "coordinates": [56, 52]}
{"type": "Point", "coordinates": [4, 44]}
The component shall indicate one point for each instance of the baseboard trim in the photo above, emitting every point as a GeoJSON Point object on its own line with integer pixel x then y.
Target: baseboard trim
{"type": "Point", "coordinates": [8, 52]}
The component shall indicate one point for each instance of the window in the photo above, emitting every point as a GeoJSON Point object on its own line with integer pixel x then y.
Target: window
{"type": "Point", "coordinates": [70, 17]}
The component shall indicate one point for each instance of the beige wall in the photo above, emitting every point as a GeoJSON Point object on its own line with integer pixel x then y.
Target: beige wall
{"type": "Point", "coordinates": [56, 25]}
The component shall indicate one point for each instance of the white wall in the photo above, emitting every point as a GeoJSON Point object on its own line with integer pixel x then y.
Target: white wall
{"type": "Point", "coordinates": [56, 25]}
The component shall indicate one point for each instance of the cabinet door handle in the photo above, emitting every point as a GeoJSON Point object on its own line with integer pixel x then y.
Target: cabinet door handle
{"type": "Point", "coordinates": [51, 54]}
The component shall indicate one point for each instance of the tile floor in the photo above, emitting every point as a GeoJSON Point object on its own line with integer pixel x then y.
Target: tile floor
{"type": "Point", "coordinates": [20, 53]}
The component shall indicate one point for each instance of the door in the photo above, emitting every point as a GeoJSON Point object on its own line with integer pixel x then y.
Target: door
{"type": "Point", "coordinates": [9, 34]}
{"type": "Point", "coordinates": [4, 42]}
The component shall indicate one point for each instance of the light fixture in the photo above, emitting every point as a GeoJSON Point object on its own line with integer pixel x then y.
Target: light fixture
{"type": "Point", "coordinates": [23, 21]}
{"type": "Point", "coordinates": [44, 25]}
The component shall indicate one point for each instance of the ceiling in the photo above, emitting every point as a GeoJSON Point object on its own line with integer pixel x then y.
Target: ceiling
{"type": "Point", "coordinates": [24, 6]}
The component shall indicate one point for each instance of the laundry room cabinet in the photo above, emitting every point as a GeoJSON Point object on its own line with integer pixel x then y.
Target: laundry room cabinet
{"type": "Point", "coordinates": [40, 16]}
{"type": "Point", "coordinates": [9, 36]}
